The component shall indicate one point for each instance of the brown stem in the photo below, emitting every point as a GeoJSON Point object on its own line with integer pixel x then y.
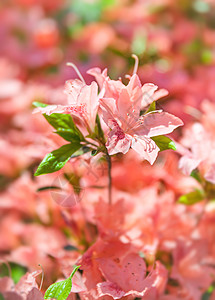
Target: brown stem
{"type": "Point", "coordinates": [108, 158]}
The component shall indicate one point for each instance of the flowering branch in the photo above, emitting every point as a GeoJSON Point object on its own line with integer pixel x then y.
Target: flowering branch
{"type": "Point", "coordinates": [124, 110]}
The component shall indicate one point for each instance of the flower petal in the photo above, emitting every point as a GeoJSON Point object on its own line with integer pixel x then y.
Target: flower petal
{"type": "Point", "coordinates": [148, 90]}
{"type": "Point", "coordinates": [158, 123]}
{"type": "Point", "coordinates": [160, 94]}
{"type": "Point", "coordinates": [73, 89]}
{"type": "Point", "coordinates": [128, 111]}
{"type": "Point", "coordinates": [108, 108]}
{"type": "Point", "coordinates": [89, 98]}
{"type": "Point", "coordinates": [100, 76]}
{"type": "Point", "coordinates": [188, 164]}
{"type": "Point", "coordinates": [117, 143]}
{"type": "Point", "coordinates": [110, 289]}
{"type": "Point", "coordinates": [146, 148]}
{"type": "Point", "coordinates": [210, 174]}
{"type": "Point", "coordinates": [50, 109]}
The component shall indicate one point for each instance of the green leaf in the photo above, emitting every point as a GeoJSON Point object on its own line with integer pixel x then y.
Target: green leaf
{"type": "Point", "coordinates": [98, 129]}
{"type": "Point", "coordinates": [70, 248]}
{"type": "Point", "coordinates": [207, 294]}
{"type": "Point", "coordinates": [17, 270]}
{"type": "Point", "coordinates": [192, 197]}
{"type": "Point", "coordinates": [74, 180]}
{"type": "Point", "coordinates": [196, 175]}
{"type": "Point", "coordinates": [51, 187]}
{"type": "Point", "coordinates": [98, 133]}
{"type": "Point", "coordinates": [39, 104]}
{"type": "Point", "coordinates": [64, 125]}
{"type": "Point", "coordinates": [55, 160]}
{"type": "Point", "coordinates": [152, 107]}
{"type": "Point", "coordinates": [69, 134]}
{"type": "Point", "coordinates": [59, 121]}
{"type": "Point", "coordinates": [90, 11]}
{"type": "Point", "coordinates": [81, 151]}
{"type": "Point", "coordinates": [207, 57]}
{"type": "Point", "coordinates": [94, 152]}
{"type": "Point", "coordinates": [74, 271]}
{"type": "Point", "coordinates": [61, 290]}
{"type": "Point", "coordinates": [163, 142]}
{"type": "Point", "coordinates": [1, 297]}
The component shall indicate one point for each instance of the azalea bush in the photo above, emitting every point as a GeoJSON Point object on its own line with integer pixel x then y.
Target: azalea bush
{"type": "Point", "coordinates": [107, 141]}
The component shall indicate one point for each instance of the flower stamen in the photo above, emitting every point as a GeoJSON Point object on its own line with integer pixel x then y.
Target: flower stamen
{"type": "Point", "coordinates": [135, 64]}
{"type": "Point", "coordinates": [69, 64]}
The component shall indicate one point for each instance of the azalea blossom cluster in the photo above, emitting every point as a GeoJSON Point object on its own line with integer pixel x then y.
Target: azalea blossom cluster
{"type": "Point", "coordinates": [120, 107]}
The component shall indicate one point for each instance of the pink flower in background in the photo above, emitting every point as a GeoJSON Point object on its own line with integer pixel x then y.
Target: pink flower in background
{"type": "Point", "coordinates": [190, 267]}
{"type": "Point", "coordinates": [112, 268]}
{"type": "Point", "coordinates": [201, 154]}
{"type": "Point", "coordinates": [26, 288]}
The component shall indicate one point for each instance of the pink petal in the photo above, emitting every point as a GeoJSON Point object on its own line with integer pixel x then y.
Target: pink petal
{"type": "Point", "coordinates": [158, 123]}
{"type": "Point", "coordinates": [108, 108]}
{"type": "Point", "coordinates": [27, 283]}
{"type": "Point", "coordinates": [118, 141]}
{"type": "Point", "coordinates": [50, 109]}
{"type": "Point", "coordinates": [110, 289]}
{"type": "Point", "coordinates": [210, 174]}
{"type": "Point", "coordinates": [146, 148]}
{"type": "Point", "coordinates": [77, 283]}
{"type": "Point", "coordinates": [12, 296]}
{"type": "Point", "coordinates": [128, 273]}
{"type": "Point", "coordinates": [160, 94]}
{"type": "Point", "coordinates": [128, 111]}
{"type": "Point", "coordinates": [133, 83]}
{"type": "Point", "coordinates": [6, 284]}
{"type": "Point", "coordinates": [188, 164]}
{"type": "Point", "coordinates": [148, 90]}
{"type": "Point", "coordinates": [113, 88]}
{"type": "Point", "coordinates": [73, 89]}
{"type": "Point", "coordinates": [88, 97]}
{"type": "Point", "coordinates": [99, 76]}
{"type": "Point", "coordinates": [35, 294]}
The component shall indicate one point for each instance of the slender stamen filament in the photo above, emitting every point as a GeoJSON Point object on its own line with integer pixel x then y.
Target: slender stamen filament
{"type": "Point", "coordinates": [136, 63]}
{"type": "Point", "coordinates": [41, 284]}
{"type": "Point", "coordinates": [69, 64]}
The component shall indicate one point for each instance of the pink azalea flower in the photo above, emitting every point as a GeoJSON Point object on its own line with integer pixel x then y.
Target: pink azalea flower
{"type": "Point", "coordinates": [112, 268]}
{"type": "Point", "coordinates": [128, 129]}
{"type": "Point", "coordinates": [190, 267]}
{"type": "Point", "coordinates": [121, 106]}
{"type": "Point", "coordinates": [83, 102]}
{"type": "Point", "coordinates": [201, 153]}
{"type": "Point", "coordinates": [128, 278]}
{"type": "Point", "coordinates": [25, 289]}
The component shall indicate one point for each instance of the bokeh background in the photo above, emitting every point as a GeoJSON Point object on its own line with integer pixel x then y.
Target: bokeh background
{"type": "Point", "coordinates": [175, 43]}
